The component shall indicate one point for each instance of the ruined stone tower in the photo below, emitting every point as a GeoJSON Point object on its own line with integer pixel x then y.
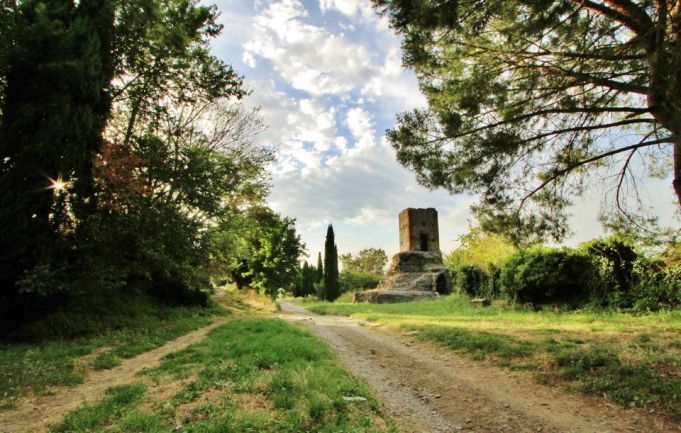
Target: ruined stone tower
{"type": "Point", "coordinates": [417, 271]}
{"type": "Point", "coordinates": [418, 230]}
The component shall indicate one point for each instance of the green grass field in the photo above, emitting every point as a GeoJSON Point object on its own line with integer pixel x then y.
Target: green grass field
{"type": "Point", "coordinates": [249, 375]}
{"type": "Point", "coordinates": [634, 360]}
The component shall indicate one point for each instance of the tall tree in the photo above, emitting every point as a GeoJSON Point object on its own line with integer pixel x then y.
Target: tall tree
{"type": "Point", "coordinates": [476, 247]}
{"type": "Point", "coordinates": [261, 249]}
{"type": "Point", "coordinates": [528, 100]}
{"type": "Point", "coordinates": [122, 144]}
{"type": "Point", "coordinates": [331, 286]}
{"type": "Point", "coordinates": [304, 271]}
{"type": "Point", "coordinates": [320, 268]}
{"type": "Point", "coordinates": [308, 275]}
{"type": "Point", "coordinates": [371, 260]}
{"type": "Point", "coordinates": [186, 150]}
{"type": "Point", "coordinates": [7, 22]}
{"type": "Point", "coordinates": [56, 101]}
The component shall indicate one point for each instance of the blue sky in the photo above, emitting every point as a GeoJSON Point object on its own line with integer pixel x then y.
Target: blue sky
{"type": "Point", "coordinates": [327, 75]}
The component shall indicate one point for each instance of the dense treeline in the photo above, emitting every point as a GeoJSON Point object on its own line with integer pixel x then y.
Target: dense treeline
{"type": "Point", "coordinates": [359, 272]}
{"type": "Point", "coordinates": [362, 270]}
{"type": "Point", "coordinates": [127, 161]}
{"type": "Point", "coordinates": [603, 273]}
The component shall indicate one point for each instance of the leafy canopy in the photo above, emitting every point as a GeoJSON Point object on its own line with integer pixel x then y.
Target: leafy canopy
{"type": "Point", "coordinates": [370, 260]}
{"type": "Point", "coordinates": [481, 249]}
{"type": "Point", "coordinates": [528, 99]}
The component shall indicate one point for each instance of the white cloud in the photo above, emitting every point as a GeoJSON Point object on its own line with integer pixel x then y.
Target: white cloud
{"type": "Point", "coordinates": [341, 143]}
{"type": "Point", "coordinates": [248, 59]}
{"type": "Point", "coordinates": [308, 57]}
{"type": "Point", "coordinates": [359, 122]}
{"type": "Point", "coordinates": [363, 190]}
{"type": "Point", "coordinates": [393, 83]}
{"type": "Point", "coordinates": [303, 131]}
{"type": "Point", "coordinates": [349, 8]}
{"type": "Point", "coordinates": [314, 123]}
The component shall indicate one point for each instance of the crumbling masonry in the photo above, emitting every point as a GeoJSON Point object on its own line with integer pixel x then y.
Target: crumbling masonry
{"type": "Point", "coordinates": [417, 271]}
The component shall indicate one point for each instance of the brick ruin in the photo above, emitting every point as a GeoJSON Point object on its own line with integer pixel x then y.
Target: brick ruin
{"type": "Point", "coordinates": [417, 271]}
{"type": "Point", "coordinates": [419, 230]}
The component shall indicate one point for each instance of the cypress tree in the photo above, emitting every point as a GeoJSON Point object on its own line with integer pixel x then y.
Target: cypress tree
{"type": "Point", "coordinates": [299, 290]}
{"type": "Point", "coordinates": [310, 278]}
{"type": "Point", "coordinates": [331, 287]}
{"type": "Point", "coordinates": [320, 269]}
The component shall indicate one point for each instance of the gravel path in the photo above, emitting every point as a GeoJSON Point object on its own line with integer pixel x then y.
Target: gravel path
{"type": "Point", "coordinates": [428, 389]}
{"type": "Point", "coordinates": [35, 415]}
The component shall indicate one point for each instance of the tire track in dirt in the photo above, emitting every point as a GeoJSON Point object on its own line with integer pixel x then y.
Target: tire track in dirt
{"type": "Point", "coordinates": [429, 389]}
{"type": "Point", "coordinates": [36, 414]}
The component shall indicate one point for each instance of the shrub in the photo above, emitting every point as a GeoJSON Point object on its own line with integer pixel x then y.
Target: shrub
{"type": "Point", "coordinates": [494, 283]}
{"type": "Point", "coordinates": [614, 261]}
{"type": "Point", "coordinates": [656, 286]}
{"type": "Point", "coordinates": [471, 280]}
{"type": "Point", "coordinates": [548, 275]}
{"type": "Point", "coordinates": [352, 281]}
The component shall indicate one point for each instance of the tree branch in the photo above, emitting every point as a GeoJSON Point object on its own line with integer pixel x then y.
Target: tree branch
{"type": "Point", "coordinates": [588, 128]}
{"type": "Point", "coordinates": [611, 84]}
{"type": "Point", "coordinates": [571, 167]}
{"type": "Point", "coordinates": [622, 14]}
{"type": "Point", "coordinates": [594, 110]}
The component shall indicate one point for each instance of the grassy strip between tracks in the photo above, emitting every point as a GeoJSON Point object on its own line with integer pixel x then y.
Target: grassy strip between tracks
{"type": "Point", "coordinates": [249, 375]}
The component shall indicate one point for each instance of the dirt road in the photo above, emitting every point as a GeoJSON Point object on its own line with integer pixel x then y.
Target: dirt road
{"type": "Point", "coordinates": [37, 413]}
{"type": "Point", "coordinates": [427, 389]}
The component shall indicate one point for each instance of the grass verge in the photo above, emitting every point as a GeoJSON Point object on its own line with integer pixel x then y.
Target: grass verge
{"type": "Point", "coordinates": [249, 375]}
{"type": "Point", "coordinates": [54, 360]}
{"type": "Point", "coordinates": [634, 360]}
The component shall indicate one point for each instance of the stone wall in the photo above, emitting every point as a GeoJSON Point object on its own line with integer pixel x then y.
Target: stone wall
{"type": "Point", "coordinates": [412, 275]}
{"type": "Point", "coordinates": [419, 229]}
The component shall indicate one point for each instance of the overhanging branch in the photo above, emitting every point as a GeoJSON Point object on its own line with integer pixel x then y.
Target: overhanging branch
{"type": "Point", "coordinates": [625, 13]}
{"type": "Point", "coordinates": [595, 158]}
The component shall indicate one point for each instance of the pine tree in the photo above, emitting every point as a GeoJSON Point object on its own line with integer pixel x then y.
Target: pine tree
{"type": "Point", "coordinates": [331, 287]}
{"type": "Point", "coordinates": [534, 103]}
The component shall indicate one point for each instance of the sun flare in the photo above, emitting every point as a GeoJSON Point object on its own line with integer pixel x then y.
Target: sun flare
{"type": "Point", "coordinates": [58, 185]}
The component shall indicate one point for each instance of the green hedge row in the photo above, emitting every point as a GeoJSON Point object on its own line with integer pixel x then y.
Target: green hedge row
{"type": "Point", "coordinates": [604, 273]}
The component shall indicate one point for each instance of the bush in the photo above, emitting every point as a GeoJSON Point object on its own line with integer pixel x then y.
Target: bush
{"type": "Point", "coordinates": [656, 286]}
{"type": "Point", "coordinates": [614, 261]}
{"type": "Point", "coordinates": [548, 275]}
{"type": "Point", "coordinates": [352, 281]}
{"type": "Point", "coordinates": [494, 284]}
{"type": "Point", "coordinates": [471, 280]}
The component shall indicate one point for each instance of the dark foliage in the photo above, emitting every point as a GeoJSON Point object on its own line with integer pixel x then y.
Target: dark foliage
{"type": "Point", "coordinates": [548, 276]}
{"type": "Point", "coordinates": [615, 262]}
{"type": "Point", "coordinates": [135, 213]}
{"type": "Point", "coordinates": [472, 280]}
{"type": "Point", "coordinates": [331, 286]}
{"type": "Point", "coordinates": [308, 277]}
